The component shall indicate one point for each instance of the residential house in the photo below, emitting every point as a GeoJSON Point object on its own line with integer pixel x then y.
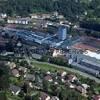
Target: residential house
{"type": "Point", "coordinates": [3, 15]}
{"type": "Point", "coordinates": [12, 65]}
{"type": "Point", "coordinates": [57, 53]}
{"type": "Point", "coordinates": [81, 90]}
{"type": "Point", "coordinates": [5, 53]}
{"type": "Point", "coordinates": [85, 86]}
{"type": "Point", "coordinates": [23, 69]}
{"type": "Point", "coordinates": [70, 85]}
{"type": "Point", "coordinates": [48, 73]}
{"type": "Point", "coordinates": [14, 89]}
{"type": "Point", "coordinates": [63, 74]}
{"type": "Point", "coordinates": [29, 77]}
{"type": "Point", "coordinates": [44, 96]}
{"type": "Point", "coordinates": [15, 72]}
{"type": "Point", "coordinates": [40, 16]}
{"type": "Point", "coordinates": [29, 84]}
{"type": "Point", "coordinates": [44, 16]}
{"type": "Point", "coordinates": [60, 17]}
{"type": "Point", "coordinates": [54, 98]}
{"type": "Point", "coordinates": [23, 21]}
{"type": "Point", "coordinates": [72, 78]}
{"type": "Point", "coordinates": [35, 16]}
{"type": "Point", "coordinates": [48, 78]}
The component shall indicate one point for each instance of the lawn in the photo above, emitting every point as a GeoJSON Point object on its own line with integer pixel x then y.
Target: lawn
{"type": "Point", "coordinates": [46, 67]}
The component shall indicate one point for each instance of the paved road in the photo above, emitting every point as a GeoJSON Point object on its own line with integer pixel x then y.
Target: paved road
{"type": "Point", "coordinates": [71, 70]}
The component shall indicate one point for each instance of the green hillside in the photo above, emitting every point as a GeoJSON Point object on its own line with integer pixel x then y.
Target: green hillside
{"type": "Point", "coordinates": [71, 9]}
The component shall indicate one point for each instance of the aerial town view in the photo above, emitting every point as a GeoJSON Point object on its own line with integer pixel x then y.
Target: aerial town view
{"type": "Point", "coordinates": [49, 49]}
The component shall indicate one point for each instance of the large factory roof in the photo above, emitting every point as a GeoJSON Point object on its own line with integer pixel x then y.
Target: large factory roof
{"type": "Point", "coordinates": [91, 62]}
{"type": "Point", "coordinates": [92, 54]}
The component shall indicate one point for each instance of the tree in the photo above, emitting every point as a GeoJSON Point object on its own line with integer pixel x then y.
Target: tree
{"type": "Point", "coordinates": [69, 8]}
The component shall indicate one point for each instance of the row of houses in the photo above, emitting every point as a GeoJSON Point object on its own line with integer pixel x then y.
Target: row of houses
{"type": "Point", "coordinates": [46, 15]}
{"type": "Point", "coordinates": [29, 79]}
{"type": "Point", "coordinates": [18, 20]}
{"type": "Point", "coordinates": [39, 16]}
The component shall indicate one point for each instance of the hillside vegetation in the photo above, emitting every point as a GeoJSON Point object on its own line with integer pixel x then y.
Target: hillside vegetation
{"type": "Point", "coordinates": [71, 9]}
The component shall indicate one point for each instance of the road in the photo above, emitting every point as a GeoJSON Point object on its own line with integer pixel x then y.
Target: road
{"type": "Point", "coordinates": [71, 70]}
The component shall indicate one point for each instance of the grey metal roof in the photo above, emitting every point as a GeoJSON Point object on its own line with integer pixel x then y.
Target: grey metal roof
{"type": "Point", "coordinates": [14, 88]}
{"type": "Point", "coordinates": [91, 62]}
{"type": "Point", "coordinates": [30, 77]}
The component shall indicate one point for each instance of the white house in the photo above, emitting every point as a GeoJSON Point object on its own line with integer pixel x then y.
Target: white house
{"type": "Point", "coordinates": [18, 21]}
{"type": "Point", "coordinates": [3, 15]}
{"type": "Point", "coordinates": [40, 16]}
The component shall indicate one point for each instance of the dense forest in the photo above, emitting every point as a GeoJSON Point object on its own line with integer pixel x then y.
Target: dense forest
{"type": "Point", "coordinates": [71, 9]}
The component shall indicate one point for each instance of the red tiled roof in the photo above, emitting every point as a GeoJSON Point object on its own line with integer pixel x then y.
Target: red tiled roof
{"type": "Point", "coordinates": [15, 72]}
{"type": "Point", "coordinates": [48, 77]}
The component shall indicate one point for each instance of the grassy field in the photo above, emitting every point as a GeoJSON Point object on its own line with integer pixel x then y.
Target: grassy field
{"type": "Point", "coordinates": [47, 67]}
{"type": "Point", "coordinates": [53, 68]}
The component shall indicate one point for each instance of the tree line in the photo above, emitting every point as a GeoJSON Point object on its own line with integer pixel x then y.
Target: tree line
{"type": "Point", "coordinates": [71, 9]}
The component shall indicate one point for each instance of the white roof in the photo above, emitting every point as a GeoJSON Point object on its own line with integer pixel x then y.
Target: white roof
{"type": "Point", "coordinates": [92, 54]}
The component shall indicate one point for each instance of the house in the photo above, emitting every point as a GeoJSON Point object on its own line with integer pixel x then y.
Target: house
{"type": "Point", "coordinates": [81, 90]}
{"type": "Point", "coordinates": [44, 96]}
{"type": "Point", "coordinates": [29, 84]}
{"type": "Point", "coordinates": [12, 65]}
{"type": "Point", "coordinates": [40, 16]}
{"type": "Point", "coordinates": [36, 56]}
{"type": "Point", "coordinates": [48, 73]}
{"type": "Point", "coordinates": [55, 13]}
{"type": "Point", "coordinates": [15, 72]}
{"type": "Point", "coordinates": [72, 78]}
{"type": "Point", "coordinates": [35, 16]}
{"type": "Point", "coordinates": [18, 20]}
{"type": "Point", "coordinates": [70, 85]}
{"type": "Point", "coordinates": [63, 74]}
{"type": "Point", "coordinates": [56, 83]}
{"type": "Point", "coordinates": [7, 53]}
{"type": "Point", "coordinates": [85, 86]}
{"type": "Point", "coordinates": [14, 89]}
{"type": "Point", "coordinates": [60, 17]}
{"type": "Point", "coordinates": [23, 69]}
{"type": "Point", "coordinates": [48, 78]}
{"type": "Point", "coordinates": [96, 97]}
{"type": "Point", "coordinates": [54, 98]}
{"type": "Point", "coordinates": [29, 77]}
{"type": "Point", "coordinates": [44, 16]}
{"type": "Point", "coordinates": [63, 80]}
{"type": "Point", "coordinates": [3, 15]}
{"type": "Point", "coordinates": [57, 53]}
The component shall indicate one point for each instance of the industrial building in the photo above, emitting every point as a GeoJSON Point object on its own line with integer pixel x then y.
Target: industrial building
{"type": "Point", "coordinates": [62, 33]}
{"type": "Point", "coordinates": [87, 61]}
{"type": "Point", "coordinates": [82, 54]}
{"type": "Point", "coordinates": [85, 55]}
{"type": "Point", "coordinates": [39, 37]}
